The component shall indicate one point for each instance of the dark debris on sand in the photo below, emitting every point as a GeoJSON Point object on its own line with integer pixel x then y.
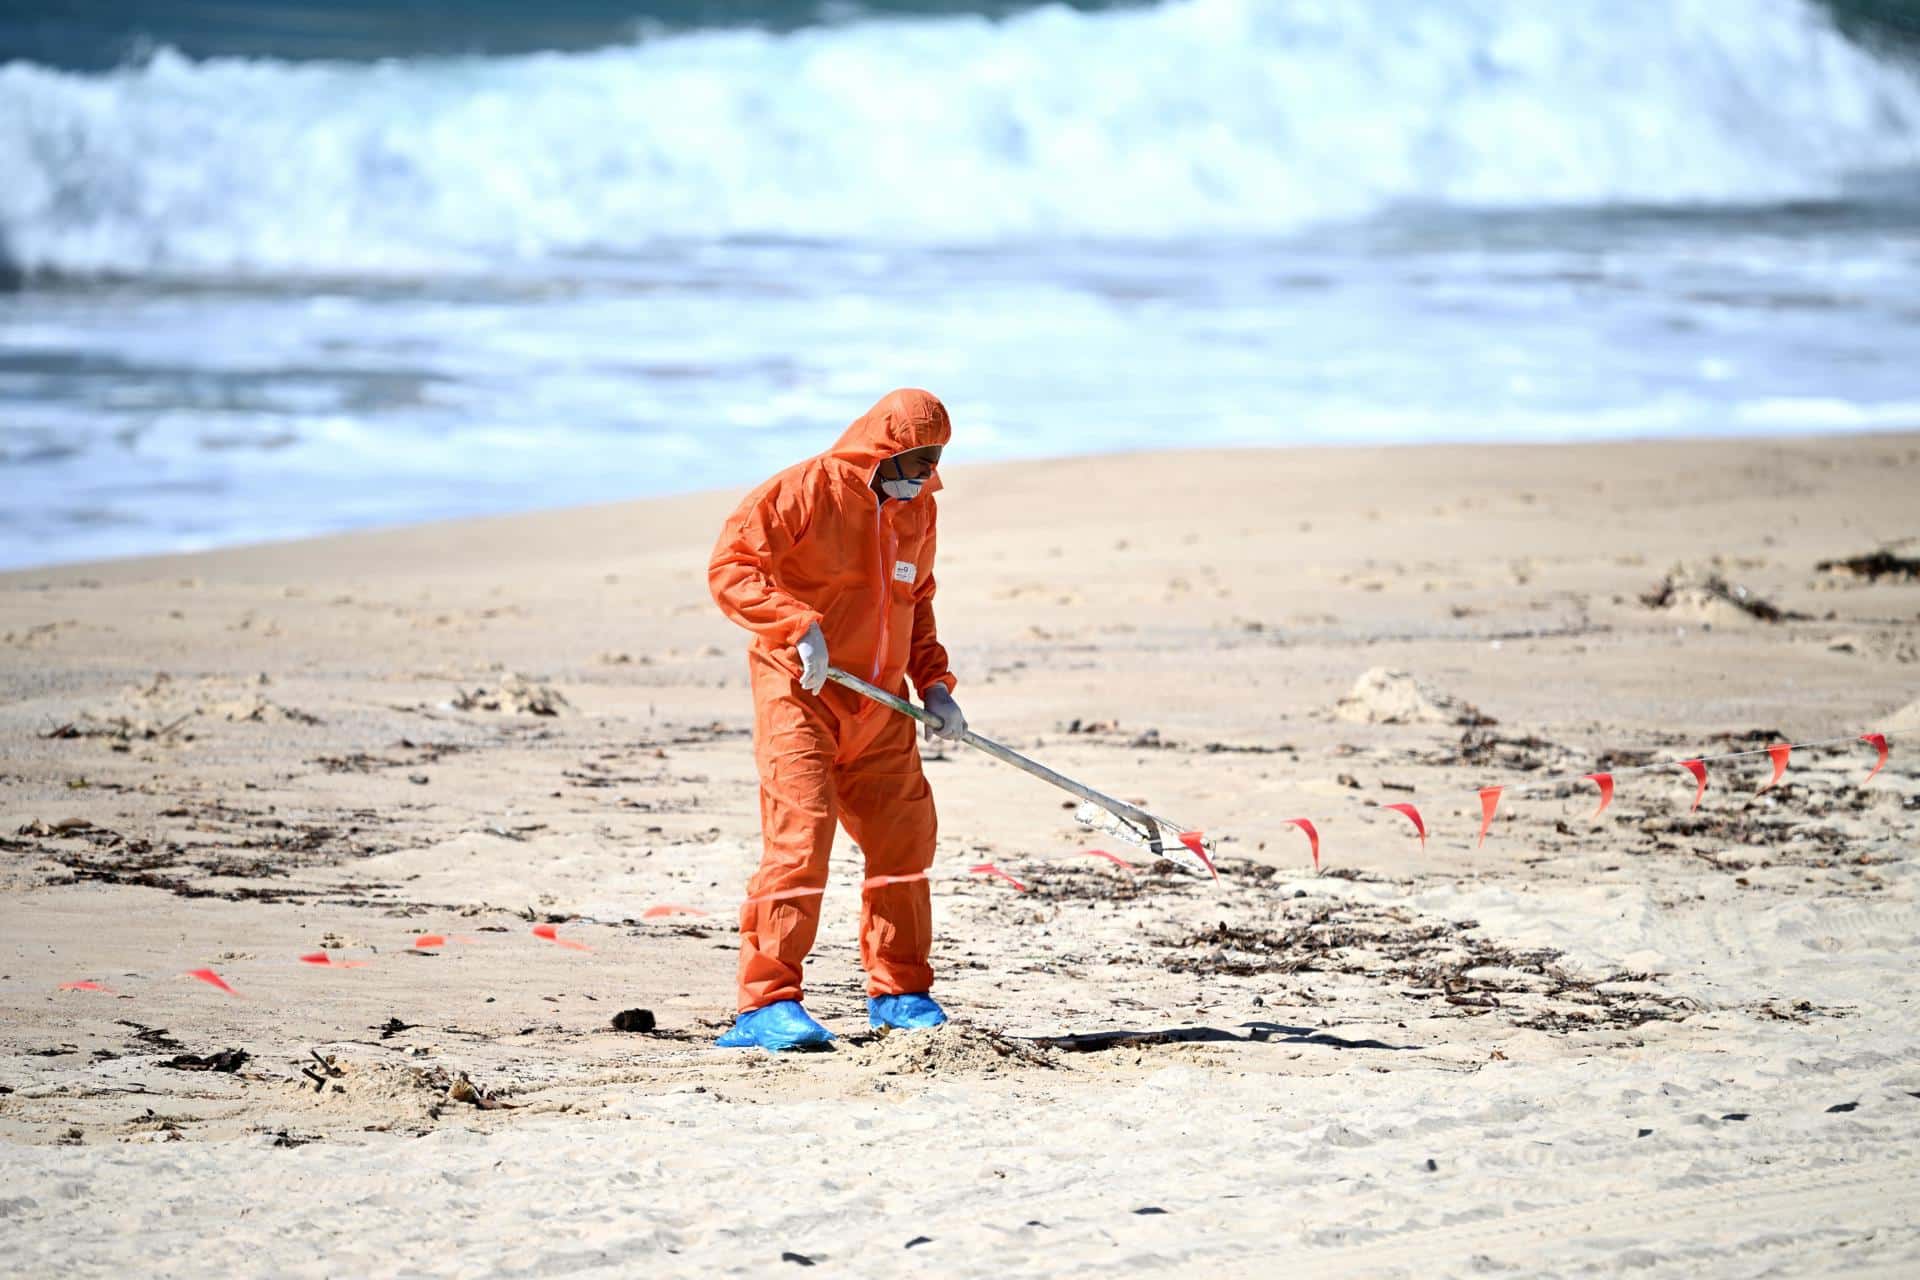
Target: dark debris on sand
{"type": "Point", "coordinates": [1482, 747]}
{"type": "Point", "coordinates": [1874, 566]}
{"type": "Point", "coordinates": [1785, 839]}
{"type": "Point", "coordinates": [244, 845]}
{"type": "Point", "coordinates": [1431, 959]}
{"type": "Point", "coordinates": [227, 1060]}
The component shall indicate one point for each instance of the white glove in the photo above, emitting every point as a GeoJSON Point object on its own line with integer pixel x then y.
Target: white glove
{"type": "Point", "coordinates": [813, 659]}
{"type": "Point", "coordinates": [940, 704]}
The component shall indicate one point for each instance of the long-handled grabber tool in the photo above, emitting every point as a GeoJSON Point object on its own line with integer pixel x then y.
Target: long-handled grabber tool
{"type": "Point", "coordinates": [1098, 810]}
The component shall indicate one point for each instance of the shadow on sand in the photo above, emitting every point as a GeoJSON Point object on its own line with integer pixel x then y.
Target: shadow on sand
{"type": "Point", "coordinates": [1256, 1033]}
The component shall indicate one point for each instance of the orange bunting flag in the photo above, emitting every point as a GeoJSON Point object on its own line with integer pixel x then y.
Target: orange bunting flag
{"type": "Point", "coordinates": [428, 941]}
{"type": "Point", "coordinates": [211, 978]}
{"type": "Point", "coordinates": [1878, 741]}
{"type": "Point", "coordinates": [86, 985]}
{"type": "Point", "coordinates": [988, 869]}
{"type": "Point", "coordinates": [1413, 816]}
{"type": "Point", "coordinates": [1699, 771]}
{"type": "Point", "coordinates": [1114, 858]}
{"type": "Point", "coordinates": [548, 932]}
{"type": "Point", "coordinates": [1604, 781]}
{"type": "Point", "coordinates": [669, 909]}
{"type": "Point", "coordinates": [1779, 751]}
{"type": "Point", "coordinates": [1191, 839]}
{"type": "Point", "coordinates": [1313, 838]}
{"type": "Point", "coordinates": [1489, 804]}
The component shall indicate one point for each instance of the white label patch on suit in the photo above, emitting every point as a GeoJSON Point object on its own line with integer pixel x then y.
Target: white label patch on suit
{"type": "Point", "coordinates": [905, 571]}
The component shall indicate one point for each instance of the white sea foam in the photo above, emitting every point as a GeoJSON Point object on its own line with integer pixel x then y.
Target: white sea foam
{"type": "Point", "coordinates": [1184, 119]}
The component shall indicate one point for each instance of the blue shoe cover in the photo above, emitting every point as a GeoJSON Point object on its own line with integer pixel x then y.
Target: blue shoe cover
{"type": "Point", "coordinates": [780, 1025]}
{"type": "Point", "coordinates": [910, 1012]}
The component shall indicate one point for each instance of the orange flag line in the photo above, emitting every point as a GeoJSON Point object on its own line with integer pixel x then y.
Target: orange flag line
{"type": "Point", "coordinates": [782, 895]}
{"type": "Point", "coordinates": [1778, 752]}
{"type": "Point", "coordinates": [1489, 797]}
{"type": "Point", "coordinates": [866, 886]}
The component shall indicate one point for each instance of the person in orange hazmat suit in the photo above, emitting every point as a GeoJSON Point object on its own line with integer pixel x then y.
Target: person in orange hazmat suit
{"type": "Point", "coordinates": [832, 560]}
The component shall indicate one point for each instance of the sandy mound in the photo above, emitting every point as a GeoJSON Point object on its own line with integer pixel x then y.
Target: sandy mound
{"type": "Point", "coordinates": [1382, 696]}
{"type": "Point", "coordinates": [1700, 593]}
{"type": "Point", "coordinates": [955, 1048]}
{"type": "Point", "coordinates": [1905, 720]}
{"type": "Point", "coordinates": [388, 1092]}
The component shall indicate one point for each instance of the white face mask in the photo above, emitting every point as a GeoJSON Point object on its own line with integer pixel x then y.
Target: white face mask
{"type": "Point", "coordinates": [904, 490]}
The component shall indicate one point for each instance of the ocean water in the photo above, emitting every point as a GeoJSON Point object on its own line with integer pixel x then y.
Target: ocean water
{"type": "Point", "coordinates": [281, 276]}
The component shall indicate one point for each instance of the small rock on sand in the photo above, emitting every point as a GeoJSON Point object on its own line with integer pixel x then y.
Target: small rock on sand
{"type": "Point", "coordinates": [640, 1020]}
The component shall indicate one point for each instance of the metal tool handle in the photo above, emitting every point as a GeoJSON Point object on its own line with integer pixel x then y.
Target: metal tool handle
{"type": "Point", "coordinates": [1146, 825]}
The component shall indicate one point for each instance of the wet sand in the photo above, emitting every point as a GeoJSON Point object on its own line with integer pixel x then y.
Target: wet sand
{"type": "Point", "coordinates": [1667, 1040]}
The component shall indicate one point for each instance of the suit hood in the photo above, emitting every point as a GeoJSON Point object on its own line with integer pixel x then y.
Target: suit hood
{"type": "Point", "coordinates": [902, 420]}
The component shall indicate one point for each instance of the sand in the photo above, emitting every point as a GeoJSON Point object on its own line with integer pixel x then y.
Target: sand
{"type": "Point", "coordinates": [1665, 1042]}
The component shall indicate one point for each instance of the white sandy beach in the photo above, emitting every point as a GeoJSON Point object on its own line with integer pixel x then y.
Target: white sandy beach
{"type": "Point", "coordinates": [1664, 1043]}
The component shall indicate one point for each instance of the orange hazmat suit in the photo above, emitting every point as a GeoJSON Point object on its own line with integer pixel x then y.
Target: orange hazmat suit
{"type": "Point", "coordinates": [815, 544]}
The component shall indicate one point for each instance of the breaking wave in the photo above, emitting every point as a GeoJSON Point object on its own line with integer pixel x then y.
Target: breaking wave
{"type": "Point", "coordinates": [1185, 119]}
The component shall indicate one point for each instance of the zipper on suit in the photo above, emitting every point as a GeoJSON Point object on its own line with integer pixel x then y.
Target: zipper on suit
{"type": "Point", "coordinates": [884, 544]}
